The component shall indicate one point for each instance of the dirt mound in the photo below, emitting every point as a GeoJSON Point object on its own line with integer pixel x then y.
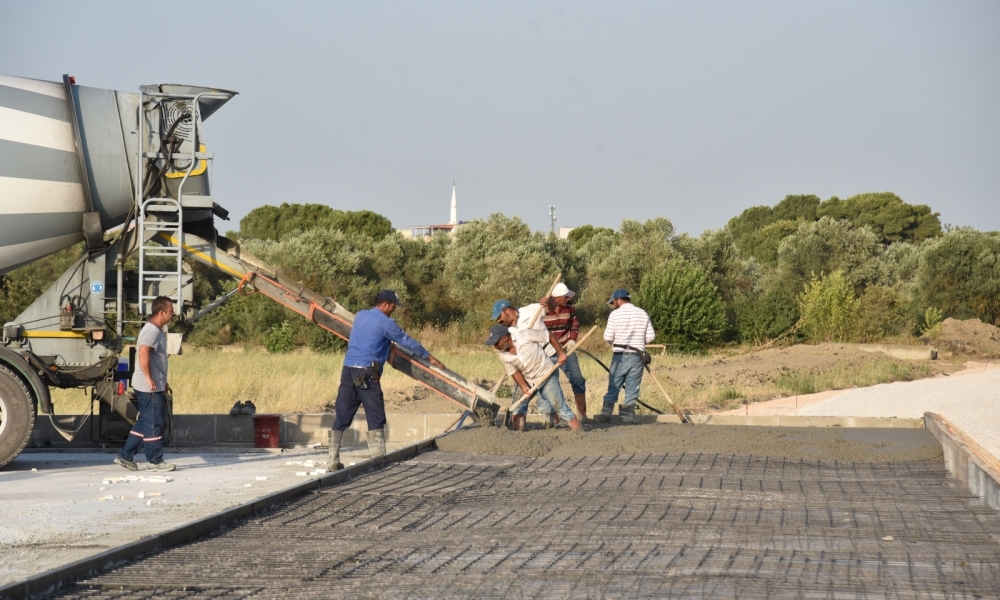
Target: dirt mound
{"type": "Point", "coordinates": [970, 337]}
{"type": "Point", "coordinates": [875, 445]}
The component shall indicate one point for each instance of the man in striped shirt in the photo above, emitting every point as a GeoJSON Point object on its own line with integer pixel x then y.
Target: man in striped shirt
{"type": "Point", "coordinates": [560, 319]}
{"type": "Point", "coordinates": [629, 330]}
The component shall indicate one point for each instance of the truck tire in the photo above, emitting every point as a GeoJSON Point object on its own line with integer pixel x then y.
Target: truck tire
{"type": "Point", "coordinates": [17, 415]}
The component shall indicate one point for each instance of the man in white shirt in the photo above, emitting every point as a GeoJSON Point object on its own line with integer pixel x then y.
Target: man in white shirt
{"type": "Point", "coordinates": [523, 358]}
{"type": "Point", "coordinates": [629, 330]}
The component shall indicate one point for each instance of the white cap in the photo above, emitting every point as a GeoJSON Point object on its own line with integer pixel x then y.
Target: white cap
{"type": "Point", "coordinates": [562, 290]}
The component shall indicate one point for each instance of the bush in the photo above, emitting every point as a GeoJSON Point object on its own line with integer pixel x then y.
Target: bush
{"type": "Point", "coordinates": [765, 315]}
{"type": "Point", "coordinates": [281, 339]}
{"type": "Point", "coordinates": [684, 306]}
{"type": "Point", "coordinates": [960, 274]}
{"type": "Point", "coordinates": [881, 313]}
{"type": "Point", "coordinates": [829, 309]}
{"type": "Point", "coordinates": [827, 246]}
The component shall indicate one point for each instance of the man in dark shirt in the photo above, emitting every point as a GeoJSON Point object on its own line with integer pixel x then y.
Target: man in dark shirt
{"type": "Point", "coordinates": [367, 350]}
{"type": "Point", "coordinates": [560, 319]}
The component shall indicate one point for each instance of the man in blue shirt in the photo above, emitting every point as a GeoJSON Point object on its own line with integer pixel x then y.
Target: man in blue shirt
{"type": "Point", "coordinates": [367, 350]}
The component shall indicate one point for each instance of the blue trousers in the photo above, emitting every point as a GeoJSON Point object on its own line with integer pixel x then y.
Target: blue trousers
{"type": "Point", "coordinates": [550, 400]}
{"type": "Point", "coordinates": [574, 375]}
{"type": "Point", "coordinates": [147, 433]}
{"type": "Point", "coordinates": [350, 397]}
{"type": "Point", "coordinates": [626, 370]}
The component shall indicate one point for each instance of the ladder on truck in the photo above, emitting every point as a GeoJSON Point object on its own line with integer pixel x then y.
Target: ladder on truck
{"type": "Point", "coordinates": [161, 260]}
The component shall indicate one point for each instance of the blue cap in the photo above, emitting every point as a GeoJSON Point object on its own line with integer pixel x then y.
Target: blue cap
{"type": "Point", "coordinates": [619, 293]}
{"type": "Point", "coordinates": [498, 307]}
{"type": "Point", "coordinates": [388, 296]}
{"type": "Point", "coordinates": [496, 332]}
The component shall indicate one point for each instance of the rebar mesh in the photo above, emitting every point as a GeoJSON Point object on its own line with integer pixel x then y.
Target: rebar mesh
{"type": "Point", "coordinates": [644, 526]}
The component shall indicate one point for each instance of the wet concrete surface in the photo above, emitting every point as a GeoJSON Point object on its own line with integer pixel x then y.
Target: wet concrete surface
{"type": "Point", "coordinates": [833, 443]}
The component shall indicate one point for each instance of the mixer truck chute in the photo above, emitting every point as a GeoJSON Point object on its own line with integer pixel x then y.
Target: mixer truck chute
{"type": "Point", "coordinates": [129, 174]}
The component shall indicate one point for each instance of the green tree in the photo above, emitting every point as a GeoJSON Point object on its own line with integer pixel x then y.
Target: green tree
{"type": "Point", "coordinates": [683, 305]}
{"type": "Point", "coordinates": [959, 274]}
{"type": "Point", "coordinates": [826, 246]}
{"type": "Point", "coordinates": [22, 286]}
{"type": "Point", "coordinates": [579, 236]}
{"type": "Point", "coordinates": [758, 230]}
{"type": "Point", "coordinates": [829, 308]}
{"type": "Point", "coordinates": [887, 215]}
{"type": "Point", "coordinates": [277, 222]}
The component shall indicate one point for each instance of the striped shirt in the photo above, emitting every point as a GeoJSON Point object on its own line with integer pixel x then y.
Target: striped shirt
{"type": "Point", "coordinates": [629, 325]}
{"type": "Point", "coordinates": [563, 323]}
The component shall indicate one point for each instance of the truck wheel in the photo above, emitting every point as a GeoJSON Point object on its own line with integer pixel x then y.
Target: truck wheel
{"type": "Point", "coordinates": [17, 415]}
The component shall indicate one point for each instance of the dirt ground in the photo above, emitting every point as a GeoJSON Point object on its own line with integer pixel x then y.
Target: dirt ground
{"type": "Point", "coordinates": [721, 382]}
{"type": "Point", "coordinates": [875, 445]}
{"type": "Point", "coordinates": [970, 337]}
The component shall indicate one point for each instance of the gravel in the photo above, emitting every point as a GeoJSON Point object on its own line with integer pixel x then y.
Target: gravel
{"type": "Point", "coordinates": [970, 401]}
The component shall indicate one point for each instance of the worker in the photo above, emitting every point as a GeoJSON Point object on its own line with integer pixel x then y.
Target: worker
{"type": "Point", "coordinates": [523, 358]}
{"type": "Point", "coordinates": [560, 319]}
{"type": "Point", "coordinates": [149, 380]}
{"type": "Point", "coordinates": [526, 317]}
{"type": "Point", "coordinates": [360, 379]}
{"type": "Point", "coordinates": [629, 330]}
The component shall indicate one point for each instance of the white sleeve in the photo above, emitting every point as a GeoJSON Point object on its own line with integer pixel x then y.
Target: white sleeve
{"type": "Point", "coordinates": [609, 331]}
{"type": "Point", "coordinates": [650, 334]}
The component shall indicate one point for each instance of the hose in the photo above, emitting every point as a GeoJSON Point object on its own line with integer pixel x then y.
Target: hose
{"type": "Point", "coordinates": [606, 368]}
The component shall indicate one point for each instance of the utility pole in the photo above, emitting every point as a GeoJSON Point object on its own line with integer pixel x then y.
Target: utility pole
{"type": "Point", "coordinates": [552, 218]}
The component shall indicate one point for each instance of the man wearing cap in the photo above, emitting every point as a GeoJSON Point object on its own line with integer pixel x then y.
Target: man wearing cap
{"type": "Point", "coordinates": [560, 319]}
{"type": "Point", "coordinates": [367, 350]}
{"type": "Point", "coordinates": [523, 358]}
{"type": "Point", "coordinates": [629, 330]}
{"type": "Point", "coordinates": [530, 317]}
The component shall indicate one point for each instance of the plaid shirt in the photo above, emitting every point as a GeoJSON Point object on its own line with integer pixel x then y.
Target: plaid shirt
{"type": "Point", "coordinates": [563, 323]}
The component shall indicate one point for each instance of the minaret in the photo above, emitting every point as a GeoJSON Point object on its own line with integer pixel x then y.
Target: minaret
{"type": "Point", "coordinates": [454, 206]}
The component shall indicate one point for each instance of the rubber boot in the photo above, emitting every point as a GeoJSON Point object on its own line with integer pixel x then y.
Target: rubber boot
{"type": "Point", "coordinates": [575, 424]}
{"type": "Point", "coordinates": [376, 443]}
{"type": "Point", "coordinates": [605, 416]}
{"type": "Point", "coordinates": [517, 422]}
{"type": "Point", "coordinates": [626, 414]}
{"type": "Point", "coordinates": [336, 437]}
{"type": "Point", "coordinates": [581, 407]}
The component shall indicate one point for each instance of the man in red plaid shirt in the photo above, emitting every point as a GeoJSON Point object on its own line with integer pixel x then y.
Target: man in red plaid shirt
{"type": "Point", "coordinates": [560, 319]}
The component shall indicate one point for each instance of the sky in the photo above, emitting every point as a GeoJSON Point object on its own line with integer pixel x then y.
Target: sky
{"type": "Point", "coordinates": [692, 111]}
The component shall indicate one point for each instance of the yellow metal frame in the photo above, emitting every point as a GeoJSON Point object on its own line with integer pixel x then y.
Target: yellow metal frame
{"type": "Point", "coordinates": [198, 170]}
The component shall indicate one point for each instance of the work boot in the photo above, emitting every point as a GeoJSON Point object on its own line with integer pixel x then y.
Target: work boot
{"type": "Point", "coordinates": [160, 466]}
{"type": "Point", "coordinates": [581, 407]}
{"type": "Point", "coordinates": [517, 422]}
{"type": "Point", "coordinates": [605, 416]}
{"type": "Point", "coordinates": [626, 414]}
{"type": "Point", "coordinates": [336, 438]}
{"type": "Point", "coordinates": [575, 424]}
{"type": "Point", "coordinates": [376, 443]}
{"type": "Point", "coordinates": [128, 464]}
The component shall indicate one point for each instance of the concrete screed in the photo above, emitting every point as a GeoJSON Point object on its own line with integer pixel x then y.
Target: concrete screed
{"type": "Point", "coordinates": [55, 506]}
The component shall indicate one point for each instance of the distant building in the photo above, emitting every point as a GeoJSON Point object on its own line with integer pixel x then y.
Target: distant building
{"type": "Point", "coordinates": [426, 232]}
{"type": "Point", "coordinates": [564, 232]}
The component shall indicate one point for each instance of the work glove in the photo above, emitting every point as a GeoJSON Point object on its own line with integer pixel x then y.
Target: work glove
{"type": "Point", "coordinates": [569, 345]}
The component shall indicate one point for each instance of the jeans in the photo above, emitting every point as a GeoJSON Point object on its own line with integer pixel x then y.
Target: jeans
{"type": "Point", "coordinates": [626, 370]}
{"type": "Point", "coordinates": [550, 399]}
{"type": "Point", "coordinates": [574, 375]}
{"type": "Point", "coordinates": [147, 433]}
{"type": "Point", "coordinates": [350, 397]}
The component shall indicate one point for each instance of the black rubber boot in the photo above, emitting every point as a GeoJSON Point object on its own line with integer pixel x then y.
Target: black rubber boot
{"type": "Point", "coordinates": [336, 437]}
{"type": "Point", "coordinates": [376, 443]}
{"type": "Point", "coordinates": [605, 416]}
{"type": "Point", "coordinates": [626, 414]}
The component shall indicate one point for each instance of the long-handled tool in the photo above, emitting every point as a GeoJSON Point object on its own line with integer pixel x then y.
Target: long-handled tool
{"type": "Point", "coordinates": [531, 324]}
{"type": "Point", "coordinates": [655, 380]}
{"type": "Point", "coordinates": [516, 405]}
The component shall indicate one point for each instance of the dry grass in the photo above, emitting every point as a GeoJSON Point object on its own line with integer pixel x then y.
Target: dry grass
{"type": "Point", "coordinates": [211, 380]}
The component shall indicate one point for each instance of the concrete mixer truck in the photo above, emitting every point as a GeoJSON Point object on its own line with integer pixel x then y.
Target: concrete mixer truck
{"type": "Point", "coordinates": [129, 175]}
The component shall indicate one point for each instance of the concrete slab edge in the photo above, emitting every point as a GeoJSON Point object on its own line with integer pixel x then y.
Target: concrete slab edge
{"type": "Point", "coordinates": [966, 460]}
{"type": "Point", "coordinates": [51, 581]}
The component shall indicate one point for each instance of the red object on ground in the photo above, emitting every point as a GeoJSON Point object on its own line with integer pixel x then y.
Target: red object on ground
{"type": "Point", "coordinates": [266, 430]}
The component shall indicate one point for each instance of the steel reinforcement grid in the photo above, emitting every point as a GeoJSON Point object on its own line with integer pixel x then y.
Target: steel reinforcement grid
{"type": "Point", "coordinates": [447, 525]}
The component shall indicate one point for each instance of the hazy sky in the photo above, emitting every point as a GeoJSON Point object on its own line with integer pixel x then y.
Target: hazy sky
{"type": "Point", "coordinates": [608, 110]}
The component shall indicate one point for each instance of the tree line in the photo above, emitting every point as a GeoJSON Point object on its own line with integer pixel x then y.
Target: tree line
{"type": "Point", "coordinates": [867, 268]}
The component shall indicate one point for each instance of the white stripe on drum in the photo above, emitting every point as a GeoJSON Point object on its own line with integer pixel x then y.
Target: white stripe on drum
{"type": "Point", "coordinates": [24, 196]}
{"type": "Point", "coordinates": [49, 88]}
{"type": "Point", "coordinates": [20, 253]}
{"type": "Point", "coordinates": [27, 128]}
